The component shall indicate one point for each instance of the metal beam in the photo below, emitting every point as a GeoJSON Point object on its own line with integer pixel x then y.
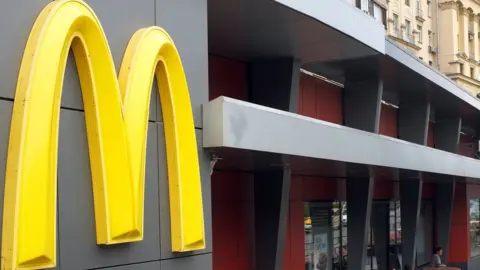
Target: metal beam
{"type": "Point", "coordinates": [360, 182]}
{"type": "Point", "coordinates": [362, 103]}
{"type": "Point", "coordinates": [271, 199]}
{"type": "Point", "coordinates": [410, 202]}
{"type": "Point", "coordinates": [445, 191]}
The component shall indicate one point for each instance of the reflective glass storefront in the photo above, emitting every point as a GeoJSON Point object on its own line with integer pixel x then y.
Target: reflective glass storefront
{"type": "Point", "coordinates": [326, 236]}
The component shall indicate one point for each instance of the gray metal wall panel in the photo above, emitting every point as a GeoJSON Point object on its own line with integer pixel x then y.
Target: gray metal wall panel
{"type": "Point", "coordinates": [271, 197]}
{"type": "Point", "coordinates": [474, 264]}
{"type": "Point", "coordinates": [204, 160]}
{"type": "Point", "coordinates": [410, 201]}
{"type": "Point", "coordinates": [200, 262]}
{"type": "Point", "coordinates": [360, 183]}
{"type": "Point", "coordinates": [186, 22]}
{"type": "Point", "coordinates": [119, 25]}
{"type": "Point", "coordinates": [380, 225]}
{"type": "Point", "coordinates": [5, 117]}
{"type": "Point", "coordinates": [413, 119]}
{"type": "Point", "coordinates": [274, 83]}
{"type": "Point", "coordinates": [327, 12]}
{"type": "Point", "coordinates": [444, 194]}
{"type": "Point", "coordinates": [362, 104]}
{"type": "Point", "coordinates": [16, 18]}
{"type": "Point", "coordinates": [138, 266]}
{"type": "Point", "coordinates": [78, 248]}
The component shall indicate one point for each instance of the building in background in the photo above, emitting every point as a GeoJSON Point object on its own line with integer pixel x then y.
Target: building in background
{"type": "Point", "coordinates": [459, 37]}
{"type": "Point", "coordinates": [413, 24]}
{"type": "Point", "coordinates": [442, 33]}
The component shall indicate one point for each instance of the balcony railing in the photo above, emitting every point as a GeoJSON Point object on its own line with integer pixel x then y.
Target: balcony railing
{"type": "Point", "coordinates": [398, 33]}
{"type": "Point", "coordinates": [409, 38]}
{"type": "Point", "coordinates": [419, 12]}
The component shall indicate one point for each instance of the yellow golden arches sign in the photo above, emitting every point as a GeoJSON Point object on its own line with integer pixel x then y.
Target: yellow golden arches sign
{"type": "Point", "coordinates": [116, 114]}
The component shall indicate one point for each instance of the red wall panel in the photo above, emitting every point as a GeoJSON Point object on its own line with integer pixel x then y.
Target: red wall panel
{"type": "Point", "coordinates": [467, 147]}
{"type": "Point", "coordinates": [428, 191]}
{"type": "Point", "coordinates": [459, 250]}
{"type": "Point", "coordinates": [388, 121]}
{"type": "Point", "coordinates": [319, 99]}
{"type": "Point", "coordinates": [430, 136]}
{"type": "Point", "coordinates": [232, 216]}
{"type": "Point", "coordinates": [383, 190]}
{"type": "Point", "coordinates": [227, 78]}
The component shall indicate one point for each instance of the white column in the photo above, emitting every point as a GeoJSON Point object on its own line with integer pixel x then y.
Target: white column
{"type": "Point", "coordinates": [475, 37]}
{"type": "Point", "coordinates": [464, 14]}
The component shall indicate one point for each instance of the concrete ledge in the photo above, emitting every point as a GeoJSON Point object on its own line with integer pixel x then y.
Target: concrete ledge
{"type": "Point", "coordinates": [236, 124]}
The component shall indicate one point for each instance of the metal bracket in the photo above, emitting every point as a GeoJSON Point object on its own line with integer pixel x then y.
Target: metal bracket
{"type": "Point", "coordinates": [213, 161]}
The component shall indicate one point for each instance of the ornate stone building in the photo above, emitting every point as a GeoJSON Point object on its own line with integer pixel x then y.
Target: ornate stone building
{"type": "Point", "coordinates": [459, 38]}
{"type": "Point", "coordinates": [413, 24]}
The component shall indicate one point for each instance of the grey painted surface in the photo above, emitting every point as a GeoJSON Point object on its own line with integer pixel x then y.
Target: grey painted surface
{"type": "Point", "coordinates": [445, 192]}
{"type": "Point", "coordinates": [447, 134]}
{"type": "Point", "coordinates": [362, 104]}
{"type": "Point", "coordinates": [203, 261]}
{"type": "Point", "coordinates": [359, 199]}
{"type": "Point", "coordinates": [274, 83]}
{"type": "Point", "coordinates": [139, 266]}
{"type": "Point", "coordinates": [186, 23]}
{"type": "Point", "coordinates": [119, 27]}
{"type": "Point", "coordinates": [327, 12]}
{"type": "Point", "coordinates": [393, 50]}
{"type": "Point", "coordinates": [413, 119]}
{"type": "Point", "coordinates": [16, 18]}
{"type": "Point", "coordinates": [241, 125]}
{"type": "Point", "coordinates": [271, 203]}
{"type": "Point", "coordinates": [473, 264]}
{"type": "Point", "coordinates": [410, 201]}
{"type": "Point", "coordinates": [380, 225]}
{"type": "Point", "coordinates": [5, 116]}
{"type": "Point", "coordinates": [76, 230]}
{"type": "Point", "coordinates": [165, 236]}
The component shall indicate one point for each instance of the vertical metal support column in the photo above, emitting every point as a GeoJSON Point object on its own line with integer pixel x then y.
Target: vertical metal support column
{"type": "Point", "coordinates": [271, 190]}
{"type": "Point", "coordinates": [414, 116]}
{"type": "Point", "coordinates": [359, 199]}
{"type": "Point", "coordinates": [444, 194]}
{"type": "Point", "coordinates": [361, 104]}
{"type": "Point", "coordinates": [273, 83]}
{"type": "Point", "coordinates": [447, 134]}
{"type": "Point", "coordinates": [381, 229]}
{"type": "Point", "coordinates": [410, 201]}
{"type": "Point", "coordinates": [447, 138]}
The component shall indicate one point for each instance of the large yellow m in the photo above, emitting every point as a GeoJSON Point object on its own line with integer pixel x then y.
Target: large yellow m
{"type": "Point", "coordinates": [116, 114]}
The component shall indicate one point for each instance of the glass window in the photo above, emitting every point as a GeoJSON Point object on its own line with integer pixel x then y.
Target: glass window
{"type": "Point", "coordinates": [474, 227]}
{"type": "Point", "coordinates": [395, 22]}
{"type": "Point", "coordinates": [395, 243]}
{"type": "Point", "coordinates": [420, 34]}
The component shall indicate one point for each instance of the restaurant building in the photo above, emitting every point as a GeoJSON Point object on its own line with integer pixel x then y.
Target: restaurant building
{"type": "Point", "coordinates": [321, 143]}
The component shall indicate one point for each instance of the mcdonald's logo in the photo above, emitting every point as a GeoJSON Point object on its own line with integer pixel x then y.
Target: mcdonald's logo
{"type": "Point", "coordinates": [116, 115]}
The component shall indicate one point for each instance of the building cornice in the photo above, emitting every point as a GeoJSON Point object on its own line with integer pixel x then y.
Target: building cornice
{"type": "Point", "coordinates": [449, 5]}
{"type": "Point", "coordinates": [463, 78]}
{"type": "Point", "coordinates": [405, 43]}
